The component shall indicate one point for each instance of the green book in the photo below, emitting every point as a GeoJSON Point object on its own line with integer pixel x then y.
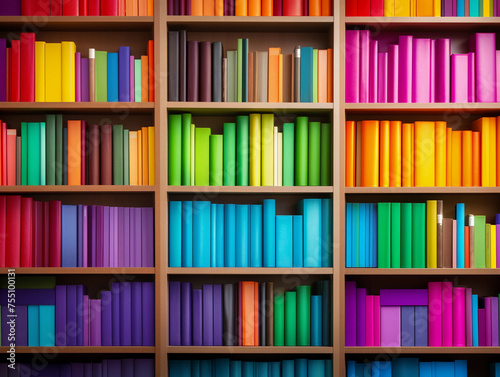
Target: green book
{"type": "Point", "coordinates": [384, 235]}
{"type": "Point", "coordinates": [126, 168]}
{"type": "Point", "coordinates": [315, 75]}
{"type": "Point", "coordinates": [355, 234]}
{"type": "Point", "coordinates": [59, 149]}
{"type": "Point", "coordinates": [396, 235]}
{"type": "Point", "coordinates": [326, 154]}
{"type": "Point", "coordinates": [239, 74]}
{"type": "Point", "coordinates": [186, 150]}
{"type": "Point", "coordinates": [216, 164]}
{"type": "Point", "coordinates": [479, 241]}
{"type": "Point", "coordinates": [101, 76]}
{"type": "Point", "coordinates": [31, 282]}
{"type": "Point", "coordinates": [406, 234]}
{"type": "Point", "coordinates": [288, 154]}
{"type": "Point", "coordinates": [50, 150]}
{"type": "Point", "coordinates": [174, 149]}
{"type": "Point", "coordinates": [290, 318]}
{"type": "Point", "coordinates": [303, 315]}
{"type": "Point", "coordinates": [193, 129]}
{"type": "Point", "coordinates": [279, 318]}
{"type": "Point", "coordinates": [202, 156]}
{"type": "Point", "coordinates": [24, 153]}
{"type": "Point", "coordinates": [229, 154]}
{"type": "Point", "coordinates": [301, 151]}
{"type": "Point", "coordinates": [33, 154]}
{"type": "Point", "coordinates": [232, 76]}
{"type": "Point", "coordinates": [242, 135]}
{"type": "Point", "coordinates": [118, 154]}
{"type": "Point", "coordinates": [314, 153]}
{"type": "Point", "coordinates": [244, 68]}
{"type": "Point", "coordinates": [137, 81]}
{"type": "Point", "coordinates": [43, 163]}
{"type": "Point", "coordinates": [487, 244]}
{"type": "Point", "coordinates": [418, 236]}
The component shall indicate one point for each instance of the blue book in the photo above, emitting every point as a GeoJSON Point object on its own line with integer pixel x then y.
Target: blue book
{"type": "Point", "coordinates": [460, 235]}
{"type": "Point", "coordinates": [79, 314]}
{"type": "Point", "coordinates": [407, 326]}
{"type": "Point", "coordinates": [405, 367]}
{"type": "Point", "coordinates": [311, 210]}
{"type": "Point", "coordinates": [426, 369]}
{"type": "Point", "coordinates": [247, 369]}
{"type": "Point", "coordinates": [374, 238]}
{"type": "Point", "coordinates": [219, 254]}
{"type": "Point", "coordinates": [47, 325]}
{"type": "Point", "coordinates": [326, 233]}
{"type": "Point", "coordinates": [363, 369]}
{"type": "Point", "coordinates": [421, 326]}
{"type": "Point", "coordinates": [33, 325]}
{"type": "Point", "coordinates": [174, 234]}
{"type": "Point", "coordinates": [348, 235]}
{"type": "Point", "coordinates": [174, 295]}
{"type": "Point", "coordinates": [444, 368]}
{"type": "Point", "coordinates": [65, 156]}
{"type": "Point", "coordinates": [242, 235]}
{"type": "Point", "coordinates": [261, 369]}
{"type": "Point", "coordinates": [115, 310]}
{"type": "Point", "coordinates": [460, 8]}
{"type": "Point", "coordinates": [235, 367]}
{"type": "Point", "coordinates": [316, 320]}
{"type": "Point", "coordinates": [146, 366]}
{"type": "Point", "coordinates": [179, 368]}
{"type": "Point", "coordinates": [113, 77]}
{"type": "Point", "coordinates": [362, 235]}
{"type": "Point", "coordinates": [284, 241]}
{"type": "Point", "coordinates": [71, 314]}
{"type": "Point", "coordinates": [43, 154]}
{"type": "Point", "coordinates": [125, 314]}
{"type": "Point", "coordinates": [221, 368]}
{"type": "Point", "coordinates": [287, 368]}
{"type": "Point", "coordinates": [351, 368]}
{"type": "Point", "coordinates": [460, 368]}
{"type": "Point", "coordinates": [269, 222]}
{"type": "Point", "coordinates": [229, 235]}
{"type": "Point", "coordinates": [195, 368]}
{"type": "Point", "coordinates": [123, 74]}
{"type": "Point", "coordinates": [368, 225]}
{"type": "Point", "coordinates": [106, 319]}
{"type": "Point", "coordinates": [355, 235]}
{"type": "Point", "coordinates": [69, 236]}
{"type": "Point", "coordinates": [256, 235]}
{"type": "Point", "coordinates": [80, 235]}
{"type": "Point", "coordinates": [274, 369]}
{"type": "Point", "coordinates": [381, 369]}
{"type": "Point", "coordinates": [201, 234]}
{"type": "Point", "coordinates": [475, 326]}
{"type": "Point", "coordinates": [300, 367]}
{"type": "Point", "coordinates": [187, 234]}
{"type": "Point", "coordinates": [316, 368]}
{"type": "Point", "coordinates": [474, 8]}
{"type": "Point", "coordinates": [213, 234]}
{"type": "Point", "coordinates": [298, 240]}
{"type": "Point", "coordinates": [306, 74]}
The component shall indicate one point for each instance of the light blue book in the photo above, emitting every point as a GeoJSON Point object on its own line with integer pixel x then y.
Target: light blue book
{"type": "Point", "coordinates": [316, 368]}
{"type": "Point", "coordinates": [242, 235]}
{"type": "Point", "coordinates": [213, 234]}
{"type": "Point", "coordinates": [47, 325]}
{"type": "Point", "coordinates": [475, 326]}
{"type": "Point", "coordinates": [306, 74]}
{"type": "Point", "coordinates": [444, 368]}
{"type": "Point", "coordinates": [495, 369]}
{"type": "Point", "coordinates": [362, 235]}
{"type": "Point", "coordinates": [298, 241]}
{"type": "Point", "coordinates": [269, 223]}
{"type": "Point", "coordinates": [460, 8]}
{"type": "Point", "coordinates": [219, 253]}
{"type": "Point", "coordinates": [284, 241]}
{"type": "Point", "coordinates": [33, 326]}
{"type": "Point", "coordinates": [474, 8]}
{"type": "Point", "coordinates": [256, 235]}
{"type": "Point", "coordinates": [112, 77]}
{"type": "Point", "coordinates": [201, 234]}
{"type": "Point", "coordinates": [316, 320]}
{"type": "Point", "coordinates": [348, 235]}
{"type": "Point", "coordinates": [351, 368]}
{"type": "Point", "coordinates": [460, 212]}
{"type": "Point", "coordinates": [426, 369]}
{"type": "Point", "coordinates": [187, 234]}
{"type": "Point", "coordinates": [326, 233]}
{"type": "Point", "coordinates": [174, 233]}
{"type": "Point", "coordinates": [381, 369]}
{"type": "Point", "coordinates": [460, 368]}
{"type": "Point", "coordinates": [355, 235]}
{"type": "Point", "coordinates": [230, 235]}
{"type": "Point", "coordinates": [311, 210]}
{"type": "Point", "coordinates": [221, 368]}
{"type": "Point", "coordinates": [43, 154]}
{"type": "Point", "coordinates": [69, 236]}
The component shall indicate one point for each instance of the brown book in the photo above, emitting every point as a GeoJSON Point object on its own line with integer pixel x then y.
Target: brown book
{"type": "Point", "coordinates": [251, 77]}
{"type": "Point", "coordinates": [106, 154]}
{"type": "Point", "coordinates": [470, 223]}
{"type": "Point", "coordinates": [224, 79]}
{"type": "Point", "coordinates": [287, 73]}
{"type": "Point", "coordinates": [261, 72]}
{"type": "Point", "coordinates": [93, 153]}
{"type": "Point", "coordinates": [269, 314]}
{"type": "Point", "coordinates": [447, 243]}
{"type": "Point", "coordinates": [440, 234]}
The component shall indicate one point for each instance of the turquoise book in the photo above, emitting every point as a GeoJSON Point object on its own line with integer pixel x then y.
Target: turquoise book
{"type": "Point", "coordinates": [284, 241]}
{"type": "Point", "coordinates": [306, 74]}
{"type": "Point", "coordinates": [220, 236]}
{"type": "Point", "coordinates": [348, 235]}
{"type": "Point", "coordinates": [256, 235]}
{"type": "Point", "coordinates": [201, 228]}
{"type": "Point", "coordinates": [298, 240]}
{"type": "Point", "coordinates": [33, 154]}
{"type": "Point", "coordinates": [269, 224]}
{"type": "Point", "coordinates": [187, 234]}
{"type": "Point", "coordinates": [175, 232]}
{"type": "Point", "coordinates": [316, 320]}
{"type": "Point", "coordinates": [326, 233]}
{"type": "Point", "coordinates": [43, 154]}
{"type": "Point", "coordinates": [33, 325]}
{"type": "Point", "coordinates": [229, 235]}
{"type": "Point", "coordinates": [242, 235]}
{"type": "Point", "coordinates": [47, 325]}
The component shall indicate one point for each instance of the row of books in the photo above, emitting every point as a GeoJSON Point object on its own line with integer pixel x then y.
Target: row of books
{"type": "Point", "coordinates": [227, 367]}
{"type": "Point", "coordinates": [76, 8]}
{"type": "Point", "coordinates": [205, 234]}
{"type": "Point", "coordinates": [421, 8]}
{"type": "Point", "coordinates": [249, 314]}
{"type": "Point", "coordinates": [198, 71]}
{"type": "Point", "coordinates": [440, 316]}
{"type": "Point", "coordinates": [36, 71]}
{"type": "Point", "coordinates": [422, 154]}
{"type": "Point", "coordinates": [419, 70]}
{"type": "Point", "coordinates": [407, 367]}
{"type": "Point", "coordinates": [49, 234]}
{"type": "Point", "coordinates": [251, 152]}
{"type": "Point", "coordinates": [47, 153]}
{"type": "Point", "coordinates": [34, 324]}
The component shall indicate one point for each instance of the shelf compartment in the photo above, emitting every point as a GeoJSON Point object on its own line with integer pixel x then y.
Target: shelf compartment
{"type": "Point", "coordinates": [112, 108]}
{"type": "Point", "coordinates": [249, 271]}
{"type": "Point", "coordinates": [422, 350]}
{"type": "Point", "coordinates": [243, 108]}
{"type": "Point", "coordinates": [422, 271]}
{"type": "Point", "coordinates": [251, 189]}
{"type": "Point", "coordinates": [250, 350]}
{"type": "Point", "coordinates": [422, 190]}
{"type": "Point", "coordinates": [80, 271]}
{"type": "Point", "coordinates": [84, 189]}
{"type": "Point", "coordinates": [82, 350]}
{"type": "Point", "coordinates": [424, 23]}
{"type": "Point", "coordinates": [404, 108]}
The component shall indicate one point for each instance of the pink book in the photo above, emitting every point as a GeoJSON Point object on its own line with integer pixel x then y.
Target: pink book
{"type": "Point", "coordinates": [85, 313]}
{"type": "Point", "coordinates": [112, 246]}
{"type": "Point", "coordinates": [494, 322]}
{"type": "Point", "coordinates": [115, 235]}
{"type": "Point", "coordinates": [433, 71]}
{"type": "Point", "coordinates": [468, 317]}
{"type": "Point", "coordinates": [369, 342]}
{"type": "Point", "coordinates": [421, 86]}
{"type": "Point", "coordinates": [364, 65]}
{"type": "Point", "coordinates": [458, 317]}
{"type": "Point", "coordinates": [487, 321]}
{"type": "Point", "coordinates": [481, 325]}
{"type": "Point", "coordinates": [390, 326]}
{"type": "Point", "coordinates": [393, 74]}
{"type": "Point", "coordinates": [459, 70]}
{"type": "Point", "coordinates": [447, 307]}
{"type": "Point", "coordinates": [484, 45]}
{"type": "Point", "coordinates": [106, 235]}
{"type": "Point", "coordinates": [373, 72]}
{"type": "Point", "coordinates": [471, 75]}
{"type": "Point", "coordinates": [498, 75]}
{"type": "Point", "coordinates": [382, 77]}
{"type": "Point", "coordinates": [352, 54]}
{"type": "Point", "coordinates": [435, 314]}
{"type": "Point", "coordinates": [443, 52]}
{"type": "Point", "coordinates": [376, 321]}
{"type": "Point", "coordinates": [95, 322]}
{"type": "Point", "coordinates": [405, 68]}
{"type": "Point", "coordinates": [132, 79]}
{"type": "Point", "coordinates": [454, 244]}
{"type": "Point", "coordinates": [78, 80]}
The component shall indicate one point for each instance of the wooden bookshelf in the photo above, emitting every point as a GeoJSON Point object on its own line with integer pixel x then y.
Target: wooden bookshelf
{"type": "Point", "coordinates": [98, 189]}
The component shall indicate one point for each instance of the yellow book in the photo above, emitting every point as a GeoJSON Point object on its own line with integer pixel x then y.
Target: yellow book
{"type": "Point", "coordinates": [440, 154]}
{"type": "Point", "coordinates": [267, 141]}
{"type": "Point", "coordinates": [425, 158]}
{"type": "Point", "coordinates": [431, 225]}
{"type": "Point", "coordinates": [145, 165]}
{"type": "Point", "coordinates": [255, 148]}
{"type": "Point", "coordinates": [497, 122]}
{"type": "Point", "coordinates": [275, 156]}
{"type": "Point", "coordinates": [413, 8]}
{"type": "Point", "coordinates": [437, 8]}
{"type": "Point", "coordinates": [493, 151]}
{"type": "Point", "coordinates": [389, 8]}
{"type": "Point", "coordinates": [139, 157]}
{"type": "Point", "coordinates": [53, 72]}
{"type": "Point", "coordinates": [132, 156]}
{"type": "Point", "coordinates": [486, 8]}
{"type": "Point", "coordinates": [412, 155]}
{"type": "Point", "coordinates": [151, 155]}
{"type": "Point", "coordinates": [280, 78]}
{"type": "Point", "coordinates": [193, 129]}
{"type": "Point", "coordinates": [402, 8]}
{"type": "Point", "coordinates": [40, 71]}
{"type": "Point", "coordinates": [280, 158]}
{"type": "Point", "coordinates": [493, 247]}
{"type": "Point", "coordinates": [68, 50]}
{"type": "Point", "coordinates": [448, 156]}
{"type": "Point", "coordinates": [482, 126]}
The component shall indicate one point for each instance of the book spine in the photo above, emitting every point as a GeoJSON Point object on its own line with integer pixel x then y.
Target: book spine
{"type": "Point", "coordinates": [405, 69]}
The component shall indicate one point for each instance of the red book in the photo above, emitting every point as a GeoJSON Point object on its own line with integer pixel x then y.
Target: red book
{"type": "Point", "coordinates": [26, 232]}
{"type": "Point", "coordinates": [37, 234]}
{"type": "Point", "coordinates": [35, 7]}
{"type": "Point", "coordinates": [46, 234]}
{"type": "Point", "coordinates": [8, 69]}
{"type": "Point", "coordinates": [109, 8]}
{"type": "Point", "coordinates": [83, 7]}
{"type": "Point", "coordinates": [364, 8]}
{"type": "Point", "coordinates": [292, 8]}
{"type": "Point", "coordinates": [56, 7]}
{"type": "Point", "coordinates": [351, 8]}
{"type": "Point", "coordinates": [70, 8]}
{"type": "Point", "coordinates": [15, 67]}
{"type": "Point", "coordinates": [27, 65]}
{"type": "Point", "coordinates": [377, 8]}
{"type": "Point", "coordinates": [55, 234]}
{"type": "Point", "coordinates": [3, 152]}
{"type": "Point", "coordinates": [84, 153]}
{"type": "Point", "coordinates": [3, 231]}
{"type": "Point", "coordinates": [93, 8]}
{"type": "Point", "coordinates": [13, 232]}
{"type": "Point", "coordinates": [151, 71]}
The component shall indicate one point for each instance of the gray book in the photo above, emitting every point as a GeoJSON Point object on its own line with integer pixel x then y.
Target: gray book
{"type": "Point", "coordinates": [261, 72]}
{"type": "Point", "coordinates": [173, 66]}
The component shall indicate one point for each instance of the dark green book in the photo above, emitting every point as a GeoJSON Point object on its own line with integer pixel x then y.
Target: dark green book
{"type": "Point", "coordinates": [384, 235]}
{"type": "Point", "coordinates": [59, 149]}
{"type": "Point", "coordinates": [126, 165]}
{"type": "Point", "coordinates": [288, 154]}
{"type": "Point", "coordinates": [244, 68]}
{"type": "Point", "coordinates": [314, 154]}
{"type": "Point", "coordinates": [301, 151]}
{"type": "Point", "coordinates": [24, 153]}
{"type": "Point", "coordinates": [326, 154]}
{"type": "Point", "coordinates": [406, 234]}
{"type": "Point", "coordinates": [186, 150]}
{"type": "Point", "coordinates": [202, 156]}
{"type": "Point", "coordinates": [118, 154]}
{"type": "Point", "coordinates": [396, 235]}
{"type": "Point", "coordinates": [303, 315]}
{"type": "Point", "coordinates": [242, 135]}
{"type": "Point", "coordinates": [290, 319]}
{"type": "Point", "coordinates": [418, 236]}
{"type": "Point", "coordinates": [229, 154]}
{"type": "Point", "coordinates": [50, 150]}
{"type": "Point", "coordinates": [279, 318]}
{"type": "Point", "coordinates": [33, 154]}
{"type": "Point", "coordinates": [174, 149]}
{"type": "Point", "coordinates": [216, 160]}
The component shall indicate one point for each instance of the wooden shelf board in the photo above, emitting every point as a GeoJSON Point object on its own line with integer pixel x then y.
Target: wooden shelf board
{"type": "Point", "coordinates": [420, 350]}
{"type": "Point", "coordinates": [208, 108]}
{"type": "Point", "coordinates": [82, 350]}
{"type": "Point", "coordinates": [426, 23]}
{"type": "Point", "coordinates": [249, 350]}
{"type": "Point", "coordinates": [251, 189]}
{"type": "Point", "coordinates": [249, 271]}
{"type": "Point", "coordinates": [90, 189]}
{"type": "Point", "coordinates": [80, 271]}
{"type": "Point", "coordinates": [421, 271]}
{"type": "Point", "coordinates": [422, 190]}
{"type": "Point", "coordinates": [109, 108]}
{"type": "Point", "coordinates": [421, 107]}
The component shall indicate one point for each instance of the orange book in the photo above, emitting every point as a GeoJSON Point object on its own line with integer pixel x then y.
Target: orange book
{"type": "Point", "coordinates": [267, 7]}
{"type": "Point", "coordinates": [209, 7]}
{"type": "Point", "coordinates": [122, 8]}
{"type": "Point", "coordinates": [143, 8]}
{"type": "Point", "coordinates": [151, 155]}
{"type": "Point", "coordinates": [196, 7]}
{"type": "Point", "coordinates": [151, 71]}
{"type": "Point", "coordinates": [384, 153]}
{"type": "Point", "coordinates": [314, 7]}
{"type": "Point", "coordinates": [370, 153]}
{"type": "Point", "coordinates": [322, 76]}
{"type": "Point", "coordinates": [357, 160]}
{"type": "Point", "coordinates": [476, 160]}
{"type": "Point", "coordinates": [74, 152]}
{"type": "Point", "coordinates": [145, 157]}
{"type": "Point", "coordinates": [326, 7]}
{"type": "Point", "coordinates": [456, 158]}
{"type": "Point", "coordinates": [132, 147]}
{"type": "Point", "coordinates": [280, 78]}
{"type": "Point", "coordinates": [240, 8]}
{"type": "Point", "coordinates": [11, 157]}
{"type": "Point", "coordinates": [467, 158]}
{"type": "Point", "coordinates": [273, 74]}
{"type": "Point", "coordinates": [139, 157]}
{"type": "Point", "coordinates": [493, 152]}
{"type": "Point", "coordinates": [407, 154]}
{"type": "Point", "coordinates": [448, 156]}
{"type": "Point", "coordinates": [144, 78]}
{"type": "Point", "coordinates": [248, 313]}
{"type": "Point", "coordinates": [482, 126]}
{"type": "Point", "coordinates": [395, 154]}
{"type": "Point", "coordinates": [440, 154]}
{"type": "Point", "coordinates": [329, 74]}
{"type": "Point", "coordinates": [131, 8]}
{"type": "Point", "coordinates": [466, 247]}
{"type": "Point", "coordinates": [219, 7]}
{"type": "Point", "coordinates": [424, 8]}
{"type": "Point", "coordinates": [254, 8]}
{"type": "Point", "coordinates": [425, 154]}
{"type": "Point", "coordinates": [350, 153]}
{"type": "Point", "coordinates": [151, 8]}
{"type": "Point", "coordinates": [256, 314]}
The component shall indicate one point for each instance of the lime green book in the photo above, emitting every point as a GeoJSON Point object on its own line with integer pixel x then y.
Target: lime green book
{"type": "Point", "coordinates": [174, 149]}
{"type": "Point", "coordinates": [126, 167]}
{"type": "Point", "coordinates": [303, 315]}
{"type": "Point", "coordinates": [118, 154]}
{"type": "Point", "coordinates": [229, 154]}
{"type": "Point", "coordinates": [279, 318]}
{"type": "Point", "coordinates": [406, 234]}
{"type": "Point", "coordinates": [267, 160]}
{"type": "Point", "coordinates": [59, 149]}
{"type": "Point", "coordinates": [395, 235]}
{"type": "Point", "coordinates": [242, 135]}
{"type": "Point", "coordinates": [50, 150]}
{"type": "Point", "coordinates": [186, 150]}
{"type": "Point", "coordinates": [326, 154]}
{"type": "Point", "coordinates": [290, 318]}
{"type": "Point", "coordinates": [301, 151]}
{"type": "Point", "coordinates": [418, 236]}
{"type": "Point", "coordinates": [101, 76]}
{"type": "Point", "coordinates": [216, 164]}
{"type": "Point", "coordinates": [137, 81]}
{"type": "Point", "coordinates": [479, 241]}
{"type": "Point", "coordinates": [43, 167]}
{"type": "Point", "coordinates": [315, 75]}
{"type": "Point", "coordinates": [314, 153]}
{"type": "Point", "coordinates": [33, 154]}
{"type": "Point", "coordinates": [288, 154]}
{"type": "Point", "coordinates": [193, 129]}
{"type": "Point", "coordinates": [239, 75]}
{"type": "Point", "coordinates": [487, 245]}
{"type": "Point", "coordinates": [24, 153]}
{"type": "Point", "coordinates": [384, 235]}
{"type": "Point", "coordinates": [202, 156]}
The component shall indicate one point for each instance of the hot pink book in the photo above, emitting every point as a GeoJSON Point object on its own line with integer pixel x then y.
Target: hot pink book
{"type": "Point", "coordinates": [487, 321]}
{"type": "Point", "coordinates": [373, 72]}
{"type": "Point", "coordinates": [369, 342]}
{"type": "Point", "coordinates": [405, 68]}
{"type": "Point", "coordinates": [459, 71]}
{"type": "Point", "coordinates": [364, 65]}
{"type": "Point", "coordinates": [498, 75]}
{"type": "Point", "coordinates": [454, 244]}
{"type": "Point", "coordinates": [132, 79]}
{"type": "Point", "coordinates": [393, 74]}
{"type": "Point", "coordinates": [435, 314]}
{"type": "Point", "coordinates": [390, 326]}
{"type": "Point", "coordinates": [458, 317]}
{"type": "Point", "coordinates": [433, 71]}
{"type": "Point", "coordinates": [481, 327]}
{"type": "Point", "coordinates": [443, 52]}
{"type": "Point", "coordinates": [421, 85]}
{"type": "Point", "coordinates": [352, 66]}
{"type": "Point", "coordinates": [382, 77]}
{"type": "Point", "coordinates": [376, 321]}
{"type": "Point", "coordinates": [484, 45]}
{"type": "Point", "coordinates": [447, 307]}
{"type": "Point", "coordinates": [471, 75]}
{"type": "Point", "coordinates": [468, 317]}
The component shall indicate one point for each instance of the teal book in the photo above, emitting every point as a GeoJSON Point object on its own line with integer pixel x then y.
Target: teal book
{"type": "Point", "coordinates": [474, 8]}
{"type": "Point", "coordinates": [284, 241]}
{"type": "Point", "coordinates": [363, 236]}
{"type": "Point", "coordinates": [179, 368]}
{"type": "Point", "coordinates": [355, 235]}
{"type": "Point", "coordinates": [126, 168]}
{"type": "Point", "coordinates": [222, 368]}
{"type": "Point", "coordinates": [384, 235]}
{"type": "Point", "coordinates": [288, 154]}
{"type": "Point", "coordinates": [185, 150]}
{"type": "Point", "coordinates": [274, 369]}
{"type": "Point", "coordinates": [406, 367]}
{"type": "Point", "coordinates": [316, 320]}
{"type": "Point", "coordinates": [24, 153]}
{"type": "Point", "coordinates": [269, 236]}
{"type": "Point", "coordinates": [235, 368]}
{"type": "Point", "coordinates": [112, 76]}
{"type": "Point", "coordinates": [315, 75]}
{"type": "Point", "coordinates": [348, 235]}
{"type": "Point", "coordinates": [195, 368]}
{"type": "Point", "coordinates": [206, 368]}
{"type": "Point", "coordinates": [288, 368]}
{"type": "Point", "coordinates": [47, 325]}
{"type": "Point", "coordinates": [33, 326]}
{"type": "Point", "coordinates": [306, 74]}
{"type": "Point", "coordinates": [301, 367]}
{"type": "Point", "coordinates": [175, 222]}
{"type": "Point", "coordinates": [316, 368]}
{"type": "Point", "coordinates": [247, 369]}
{"type": "Point", "coordinates": [298, 240]}
{"type": "Point", "coordinates": [33, 154]}
{"type": "Point", "coordinates": [326, 233]}
{"type": "Point", "coordinates": [43, 154]}
{"type": "Point", "coordinates": [261, 369]}
{"type": "Point", "coordinates": [118, 154]}
{"type": "Point", "coordinates": [256, 235]}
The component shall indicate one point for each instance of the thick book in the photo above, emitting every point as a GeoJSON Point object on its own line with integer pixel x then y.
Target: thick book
{"type": "Point", "coordinates": [27, 61]}
{"type": "Point", "coordinates": [405, 68]}
{"type": "Point", "coordinates": [483, 45]}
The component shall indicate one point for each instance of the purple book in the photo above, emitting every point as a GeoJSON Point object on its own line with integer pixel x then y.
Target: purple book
{"type": "Point", "coordinates": [494, 321]}
{"type": "Point", "coordinates": [31, 297]}
{"type": "Point", "coordinates": [106, 319]}
{"type": "Point", "coordinates": [481, 325]}
{"type": "Point", "coordinates": [11, 8]}
{"type": "Point", "coordinates": [85, 312]}
{"type": "Point", "coordinates": [148, 314]}
{"type": "Point", "coordinates": [174, 304]}
{"type": "Point", "coordinates": [170, 7]}
{"type": "Point", "coordinates": [96, 369]}
{"type": "Point", "coordinates": [352, 54]}
{"type": "Point", "coordinates": [4, 326]}
{"type": "Point", "coordinates": [421, 70]}
{"type": "Point", "coordinates": [128, 368]}
{"type": "Point", "coordinates": [95, 322]}
{"type": "Point", "coordinates": [125, 314]}
{"type": "Point", "coordinates": [119, 249]}
{"type": "Point", "coordinates": [93, 235]}
{"type": "Point", "coordinates": [405, 68]}
{"type": "Point", "coordinates": [100, 236]}
{"type": "Point", "coordinates": [61, 337]}
{"type": "Point", "coordinates": [147, 237]}
{"type": "Point", "coordinates": [433, 71]}
{"type": "Point", "coordinates": [447, 8]}
{"type": "Point", "coordinates": [105, 368]}
{"type": "Point", "coordinates": [218, 312]}
{"type": "Point", "coordinates": [186, 314]}
{"type": "Point", "coordinates": [390, 326]}
{"type": "Point", "coordinates": [468, 317]}
{"type": "Point", "coordinates": [361, 317]}
{"type": "Point", "coordinates": [350, 313]}
{"type": "Point", "coordinates": [79, 314]}
{"type": "Point", "coordinates": [135, 237]}
{"type": "Point", "coordinates": [421, 326]}
{"type": "Point", "coordinates": [3, 69]}
{"type": "Point", "coordinates": [114, 368]}
{"type": "Point", "coordinates": [132, 79]}
{"type": "Point", "coordinates": [401, 297]}
{"type": "Point", "coordinates": [64, 370]}
{"type": "Point", "coordinates": [106, 237]}
{"type": "Point", "coordinates": [112, 220]}
{"type": "Point", "coordinates": [443, 54]}
{"type": "Point", "coordinates": [484, 46]}
{"type": "Point", "coordinates": [84, 65]}
{"type": "Point", "coordinates": [85, 247]}
{"type": "Point", "coordinates": [125, 237]}
{"type": "Point", "coordinates": [77, 370]}
{"type": "Point", "coordinates": [197, 317]}
{"type": "Point", "coordinates": [459, 70]}
{"type": "Point", "coordinates": [71, 322]}
{"type": "Point", "coordinates": [382, 77]}
{"type": "Point", "coordinates": [193, 64]}
{"type": "Point", "coordinates": [407, 326]}
{"type": "Point", "coordinates": [21, 325]}
{"type": "Point", "coordinates": [208, 315]}
{"type": "Point", "coordinates": [393, 74]}
{"type": "Point", "coordinates": [364, 65]}
{"type": "Point", "coordinates": [78, 77]}
{"type": "Point", "coordinates": [373, 72]}
{"type": "Point", "coordinates": [146, 366]}
{"type": "Point", "coordinates": [115, 310]}
{"type": "Point", "coordinates": [87, 370]}
{"type": "Point", "coordinates": [124, 74]}
{"type": "Point", "coordinates": [136, 313]}
{"type": "Point", "coordinates": [487, 321]}
{"type": "Point", "coordinates": [114, 261]}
